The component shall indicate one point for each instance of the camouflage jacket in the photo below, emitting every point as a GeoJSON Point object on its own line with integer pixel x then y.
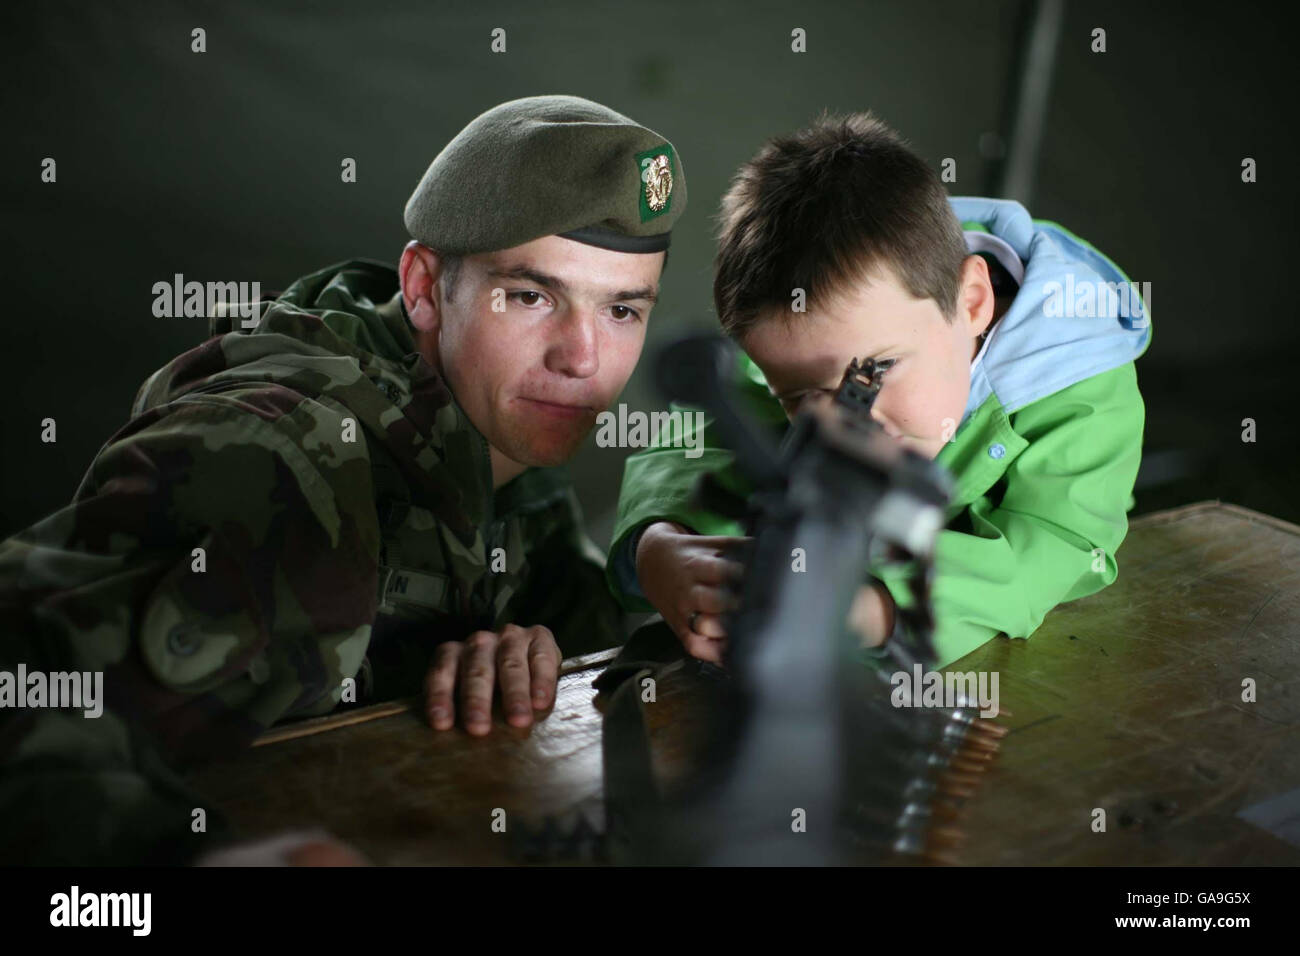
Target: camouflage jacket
{"type": "Point", "coordinates": [286, 509]}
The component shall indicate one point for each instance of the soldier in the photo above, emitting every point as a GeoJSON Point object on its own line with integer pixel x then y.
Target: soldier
{"type": "Point", "coordinates": [354, 502]}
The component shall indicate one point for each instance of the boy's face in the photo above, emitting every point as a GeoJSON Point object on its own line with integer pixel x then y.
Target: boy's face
{"type": "Point", "coordinates": [927, 379]}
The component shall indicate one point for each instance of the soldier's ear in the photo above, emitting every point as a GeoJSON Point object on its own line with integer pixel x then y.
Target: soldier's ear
{"type": "Point", "coordinates": [418, 273]}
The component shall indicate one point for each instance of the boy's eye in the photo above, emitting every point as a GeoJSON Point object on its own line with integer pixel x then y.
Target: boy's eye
{"type": "Point", "coordinates": [794, 402]}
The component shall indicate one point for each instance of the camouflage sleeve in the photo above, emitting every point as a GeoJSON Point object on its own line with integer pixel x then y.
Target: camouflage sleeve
{"type": "Point", "coordinates": [217, 569]}
{"type": "Point", "coordinates": [565, 586]}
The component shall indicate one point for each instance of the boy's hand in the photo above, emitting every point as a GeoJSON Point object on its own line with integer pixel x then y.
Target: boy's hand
{"type": "Point", "coordinates": [872, 614]}
{"type": "Point", "coordinates": [685, 576]}
{"type": "Point", "coordinates": [524, 660]}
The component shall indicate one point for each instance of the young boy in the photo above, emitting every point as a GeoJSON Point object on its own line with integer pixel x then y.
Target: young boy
{"type": "Point", "coordinates": [1009, 346]}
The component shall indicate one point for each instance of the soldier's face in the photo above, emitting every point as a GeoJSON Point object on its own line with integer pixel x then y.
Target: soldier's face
{"type": "Point", "coordinates": [927, 382]}
{"type": "Point", "coordinates": [539, 339]}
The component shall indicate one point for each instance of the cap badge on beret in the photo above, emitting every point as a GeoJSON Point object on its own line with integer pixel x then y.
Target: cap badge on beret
{"type": "Point", "coordinates": [657, 176]}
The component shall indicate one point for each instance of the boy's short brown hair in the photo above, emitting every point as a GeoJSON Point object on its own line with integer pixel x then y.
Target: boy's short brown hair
{"type": "Point", "coordinates": [829, 205]}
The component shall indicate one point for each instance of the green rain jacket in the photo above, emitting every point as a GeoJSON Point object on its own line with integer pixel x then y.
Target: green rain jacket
{"type": "Point", "coordinates": [1043, 461]}
{"type": "Point", "coordinates": [290, 521]}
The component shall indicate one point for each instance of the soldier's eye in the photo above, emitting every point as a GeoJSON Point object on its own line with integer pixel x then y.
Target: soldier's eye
{"type": "Point", "coordinates": [534, 297]}
{"type": "Point", "coordinates": [627, 314]}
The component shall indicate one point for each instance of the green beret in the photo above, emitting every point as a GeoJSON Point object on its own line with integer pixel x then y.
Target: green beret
{"type": "Point", "coordinates": [549, 165]}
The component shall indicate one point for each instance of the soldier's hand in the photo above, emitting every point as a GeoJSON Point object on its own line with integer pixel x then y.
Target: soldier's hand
{"type": "Point", "coordinates": [685, 576]}
{"type": "Point", "coordinates": [523, 661]}
{"type": "Point", "coordinates": [308, 848]}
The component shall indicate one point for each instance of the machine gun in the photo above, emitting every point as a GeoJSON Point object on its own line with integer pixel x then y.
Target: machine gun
{"type": "Point", "coordinates": [808, 761]}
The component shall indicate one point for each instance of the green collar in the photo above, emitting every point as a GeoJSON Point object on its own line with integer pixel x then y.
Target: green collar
{"type": "Point", "coordinates": [980, 453]}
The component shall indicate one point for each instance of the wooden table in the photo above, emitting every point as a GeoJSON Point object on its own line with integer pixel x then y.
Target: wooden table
{"type": "Point", "coordinates": [1129, 700]}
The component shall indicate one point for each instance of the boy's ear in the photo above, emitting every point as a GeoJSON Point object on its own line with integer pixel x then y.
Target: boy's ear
{"type": "Point", "coordinates": [975, 299]}
{"type": "Point", "coordinates": [418, 273]}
